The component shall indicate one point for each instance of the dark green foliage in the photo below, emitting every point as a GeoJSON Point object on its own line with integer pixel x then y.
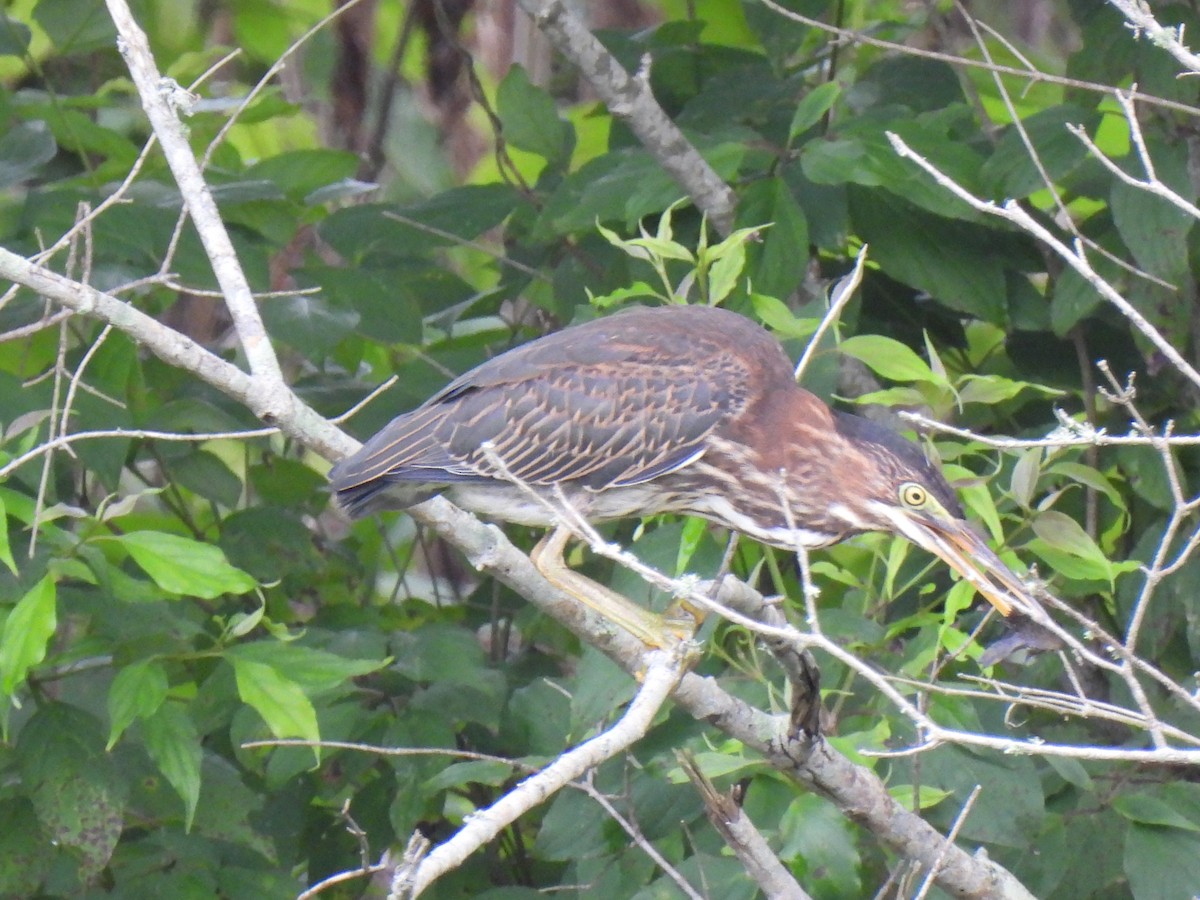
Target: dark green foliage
{"type": "Point", "coordinates": [164, 602]}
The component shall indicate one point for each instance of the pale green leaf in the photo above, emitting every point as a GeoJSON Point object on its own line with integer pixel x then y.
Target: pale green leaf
{"type": "Point", "coordinates": [1025, 476]}
{"type": "Point", "coordinates": [6, 556]}
{"type": "Point", "coordinates": [976, 497]}
{"type": "Point", "coordinates": [137, 691]}
{"type": "Point", "coordinates": [1061, 531]}
{"type": "Point", "coordinates": [889, 358]}
{"type": "Point", "coordinates": [995, 388]}
{"type": "Point", "coordinates": [775, 314]}
{"type": "Point", "coordinates": [926, 795]}
{"type": "Point", "coordinates": [180, 565]}
{"type": "Point", "coordinates": [815, 104]}
{"type": "Point", "coordinates": [27, 633]}
{"type": "Point", "coordinates": [657, 248]}
{"type": "Point", "coordinates": [620, 295]}
{"type": "Point", "coordinates": [715, 765]}
{"type": "Point", "coordinates": [896, 396]}
{"type": "Point", "coordinates": [724, 273]}
{"type": "Point", "coordinates": [622, 244]}
{"type": "Point", "coordinates": [1086, 475]}
{"type": "Point", "coordinates": [1069, 564]}
{"type": "Point", "coordinates": [694, 530]}
{"type": "Point", "coordinates": [279, 700]}
{"type": "Point", "coordinates": [935, 361]}
{"type": "Point", "coordinates": [315, 671]}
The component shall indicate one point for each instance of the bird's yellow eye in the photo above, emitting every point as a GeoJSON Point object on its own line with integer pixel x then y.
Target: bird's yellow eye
{"type": "Point", "coordinates": [913, 495]}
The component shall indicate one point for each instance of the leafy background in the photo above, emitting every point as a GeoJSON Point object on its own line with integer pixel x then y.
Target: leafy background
{"type": "Point", "coordinates": [410, 195]}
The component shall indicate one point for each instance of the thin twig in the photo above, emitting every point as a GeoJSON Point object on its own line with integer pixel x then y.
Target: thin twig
{"type": "Point", "coordinates": [843, 293]}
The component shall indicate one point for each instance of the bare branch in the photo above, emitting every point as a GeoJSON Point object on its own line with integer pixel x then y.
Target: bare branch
{"type": "Point", "coordinates": [162, 99]}
{"type": "Point", "coordinates": [1141, 21]}
{"type": "Point", "coordinates": [1074, 256]}
{"type": "Point", "coordinates": [746, 841]}
{"type": "Point", "coordinates": [630, 99]}
{"type": "Point", "coordinates": [843, 293]}
{"type": "Point", "coordinates": [286, 410]}
{"type": "Point", "coordinates": [1033, 76]}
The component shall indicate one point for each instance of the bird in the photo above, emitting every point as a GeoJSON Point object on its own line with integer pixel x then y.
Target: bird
{"type": "Point", "coordinates": [681, 409]}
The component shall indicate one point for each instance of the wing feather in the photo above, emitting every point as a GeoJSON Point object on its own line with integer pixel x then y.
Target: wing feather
{"type": "Point", "coordinates": [594, 407]}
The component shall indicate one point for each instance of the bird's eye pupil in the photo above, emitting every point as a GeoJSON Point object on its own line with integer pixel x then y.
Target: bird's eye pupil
{"type": "Point", "coordinates": [913, 495]}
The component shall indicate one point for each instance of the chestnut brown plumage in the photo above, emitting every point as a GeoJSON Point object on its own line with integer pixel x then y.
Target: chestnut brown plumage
{"type": "Point", "coordinates": [678, 409]}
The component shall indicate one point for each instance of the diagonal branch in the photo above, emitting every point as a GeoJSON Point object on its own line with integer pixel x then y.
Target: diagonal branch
{"type": "Point", "coordinates": [162, 99]}
{"type": "Point", "coordinates": [630, 99]}
{"type": "Point", "coordinates": [662, 676]}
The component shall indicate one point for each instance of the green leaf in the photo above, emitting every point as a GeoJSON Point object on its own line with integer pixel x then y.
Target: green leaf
{"type": "Point", "coordinates": [1086, 475]}
{"type": "Point", "coordinates": [716, 765]}
{"type": "Point", "coordinates": [310, 323]}
{"type": "Point", "coordinates": [888, 357]}
{"type": "Point", "coordinates": [976, 497]}
{"type": "Point", "coordinates": [815, 104]}
{"type": "Point", "coordinates": [137, 691]}
{"type": "Point", "coordinates": [6, 556]}
{"type": "Point", "coordinates": [1162, 863]}
{"type": "Point", "coordinates": [779, 256]}
{"type": "Point", "coordinates": [475, 771]}
{"type": "Point", "coordinates": [835, 161]}
{"type": "Point", "coordinates": [1010, 806]}
{"type": "Point", "coordinates": [814, 831]}
{"type": "Point", "coordinates": [185, 567]}
{"type": "Point", "coordinates": [774, 313]}
{"type": "Point", "coordinates": [694, 529]}
{"type": "Point", "coordinates": [1147, 809]}
{"type": "Point", "coordinates": [23, 842]}
{"type": "Point", "coordinates": [927, 795]}
{"type": "Point", "coordinates": [1154, 229]}
{"type": "Point", "coordinates": [386, 312]}
{"type": "Point", "coordinates": [992, 389]}
{"type": "Point", "coordinates": [897, 396]}
{"type": "Point", "coordinates": [174, 745]}
{"type": "Point", "coordinates": [620, 295]}
{"type": "Point", "coordinates": [1064, 533]}
{"type": "Point", "coordinates": [24, 149]}
{"type": "Point", "coordinates": [724, 274]}
{"type": "Point", "coordinates": [960, 264]}
{"type": "Point", "coordinates": [279, 700]}
{"type": "Point", "coordinates": [650, 248]}
{"type": "Point", "coordinates": [76, 26]}
{"type": "Point", "coordinates": [300, 172]}
{"type": "Point", "coordinates": [1025, 476]}
{"type": "Point", "coordinates": [600, 687]}
{"type": "Point", "coordinates": [530, 117]}
{"type": "Point", "coordinates": [77, 790]}
{"type": "Point", "coordinates": [1012, 173]}
{"type": "Point", "coordinates": [314, 670]}
{"type": "Point", "coordinates": [27, 633]}
{"type": "Point", "coordinates": [438, 653]}
{"type": "Point", "coordinates": [1078, 567]}
{"type": "Point", "coordinates": [206, 474]}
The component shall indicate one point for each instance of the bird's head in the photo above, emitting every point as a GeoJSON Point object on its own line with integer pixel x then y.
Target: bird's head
{"type": "Point", "coordinates": [897, 489]}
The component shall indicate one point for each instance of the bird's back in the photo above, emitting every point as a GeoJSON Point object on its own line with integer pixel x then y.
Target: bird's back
{"type": "Point", "coordinates": [608, 404]}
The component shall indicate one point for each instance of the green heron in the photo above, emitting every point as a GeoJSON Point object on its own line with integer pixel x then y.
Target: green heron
{"type": "Point", "coordinates": [679, 409]}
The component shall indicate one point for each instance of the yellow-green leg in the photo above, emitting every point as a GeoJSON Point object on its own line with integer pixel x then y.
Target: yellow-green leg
{"type": "Point", "coordinates": [650, 628]}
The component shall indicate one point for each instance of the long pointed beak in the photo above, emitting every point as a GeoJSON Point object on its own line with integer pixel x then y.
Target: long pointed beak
{"type": "Point", "coordinates": [967, 554]}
